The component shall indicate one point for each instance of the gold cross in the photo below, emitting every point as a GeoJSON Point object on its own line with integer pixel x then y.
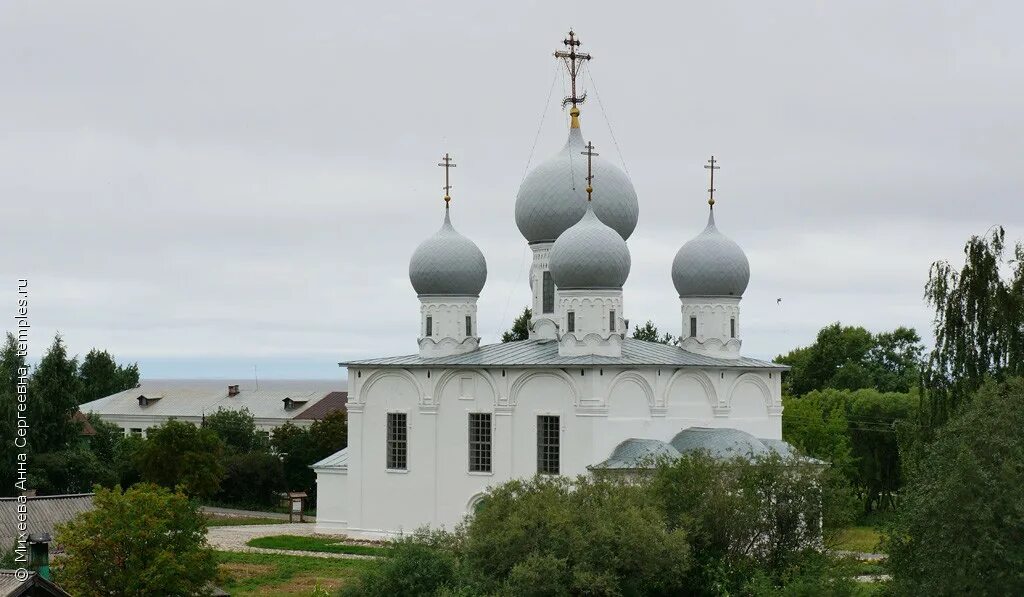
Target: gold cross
{"type": "Point", "coordinates": [711, 191]}
{"type": "Point", "coordinates": [590, 174]}
{"type": "Point", "coordinates": [447, 164]}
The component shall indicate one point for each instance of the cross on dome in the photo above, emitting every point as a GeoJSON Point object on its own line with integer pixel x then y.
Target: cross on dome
{"type": "Point", "coordinates": [573, 63]}
{"type": "Point", "coordinates": [711, 191]}
{"type": "Point", "coordinates": [447, 164]}
{"type": "Point", "coordinates": [590, 173]}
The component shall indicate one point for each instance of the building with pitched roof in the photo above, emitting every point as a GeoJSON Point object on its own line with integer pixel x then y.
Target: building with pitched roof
{"type": "Point", "coordinates": [429, 432]}
{"type": "Point", "coordinates": [154, 403]}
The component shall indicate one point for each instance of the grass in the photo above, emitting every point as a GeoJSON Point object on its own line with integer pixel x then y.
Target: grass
{"type": "Point", "coordinates": [249, 574]}
{"type": "Point", "coordinates": [323, 544]}
{"type": "Point", "coordinates": [234, 521]}
{"type": "Point", "coordinates": [860, 538]}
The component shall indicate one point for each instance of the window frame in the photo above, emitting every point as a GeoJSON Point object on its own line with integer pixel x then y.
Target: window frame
{"type": "Point", "coordinates": [570, 321]}
{"type": "Point", "coordinates": [611, 320]}
{"type": "Point", "coordinates": [480, 448]}
{"type": "Point", "coordinates": [396, 451]}
{"type": "Point", "coordinates": [732, 327]}
{"type": "Point", "coordinates": [549, 444]}
{"type": "Point", "coordinates": [469, 326]}
{"type": "Point", "coordinates": [430, 327]}
{"type": "Point", "coordinates": [693, 326]}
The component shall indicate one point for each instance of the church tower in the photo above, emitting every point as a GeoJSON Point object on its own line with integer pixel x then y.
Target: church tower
{"type": "Point", "coordinates": [552, 199]}
{"type": "Point", "coordinates": [710, 272]}
{"type": "Point", "coordinates": [448, 271]}
{"type": "Point", "coordinates": [589, 263]}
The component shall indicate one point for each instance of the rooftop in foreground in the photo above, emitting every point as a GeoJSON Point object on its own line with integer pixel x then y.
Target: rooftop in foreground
{"type": "Point", "coordinates": [544, 353]}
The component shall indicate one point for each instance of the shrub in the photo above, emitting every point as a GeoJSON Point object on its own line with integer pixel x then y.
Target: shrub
{"type": "Point", "coordinates": [143, 541]}
{"type": "Point", "coordinates": [420, 564]}
{"type": "Point", "coordinates": [177, 453]}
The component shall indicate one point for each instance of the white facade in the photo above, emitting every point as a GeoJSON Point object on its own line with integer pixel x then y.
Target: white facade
{"type": "Point", "coordinates": [598, 407]}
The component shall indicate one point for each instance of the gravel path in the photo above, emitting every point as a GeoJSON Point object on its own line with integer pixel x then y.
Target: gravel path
{"type": "Point", "coordinates": [235, 539]}
{"type": "Point", "coordinates": [250, 513]}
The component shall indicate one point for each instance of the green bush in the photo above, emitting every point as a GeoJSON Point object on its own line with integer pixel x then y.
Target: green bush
{"type": "Point", "coordinates": [69, 471]}
{"type": "Point", "coordinates": [143, 541]}
{"type": "Point", "coordinates": [696, 526]}
{"type": "Point", "coordinates": [421, 564]}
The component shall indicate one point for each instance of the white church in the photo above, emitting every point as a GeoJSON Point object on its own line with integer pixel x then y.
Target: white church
{"type": "Point", "coordinates": [430, 432]}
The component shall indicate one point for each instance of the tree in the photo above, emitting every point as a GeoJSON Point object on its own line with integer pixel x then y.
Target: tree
{"type": "Point", "coordinates": [520, 328]}
{"type": "Point", "coordinates": [177, 453]}
{"type": "Point", "coordinates": [11, 363]}
{"type": "Point", "coordinates": [145, 540]}
{"type": "Point", "coordinates": [852, 358]}
{"type": "Point", "coordinates": [978, 324]}
{"type": "Point", "coordinates": [857, 432]}
{"type": "Point", "coordinates": [329, 434]}
{"type": "Point", "coordinates": [236, 428]}
{"type": "Point", "coordinates": [649, 333]}
{"type": "Point", "coordinates": [961, 518]}
{"type": "Point", "coordinates": [102, 376]}
{"type": "Point", "coordinates": [74, 470]}
{"type": "Point", "coordinates": [292, 443]}
{"type": "Point", "coordinates": [55, 392]}
{"type": "Point", "coordinates": [252, 479]}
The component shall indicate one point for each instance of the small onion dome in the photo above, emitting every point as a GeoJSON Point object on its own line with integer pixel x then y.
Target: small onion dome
{"type": "Point", "coordinates": [711, 264]}
{"type": "Point", "coordinates": [552, 196]}
{"type": "Point", "coordinates": [447, 264]}
{"type": "Point", "coordinates": [589, 255]}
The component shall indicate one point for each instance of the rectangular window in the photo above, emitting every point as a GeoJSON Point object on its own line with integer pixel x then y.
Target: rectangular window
{"type": "Point", "coordinates": [693, 327]}
{"type": "Point", "coordinates": [548, 292]}
{"type": "Point", "coordinates": [611, 321]}
{"type": "Point", "coordinates": [571, 323]}
{"type": "Point", "coordinates": [398, 436]}
{"type": "Point", "coordinates": [430, 326]}
{"type": "Point", "coordinates": [469, 326]}
{"type": "Point", "coordinates": [548, 437]}
{"type": "Point", "coordinates": [732, 327]}
{"type": "Point", "coordinates": [136, 431]}
{"type": "Point", "coordinates": [479, 442]}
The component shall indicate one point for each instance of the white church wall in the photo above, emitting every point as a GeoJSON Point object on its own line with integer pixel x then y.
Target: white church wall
{"type": "Point", "coordinates": [598, 408]}
{"type": "Point", "coordinates": [332, 514]}
{"type": "Point", "coordinates": [457, 394]}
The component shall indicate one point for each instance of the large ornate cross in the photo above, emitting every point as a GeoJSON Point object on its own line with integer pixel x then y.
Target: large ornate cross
{"type": "Point", "coordinates": [573, 62]}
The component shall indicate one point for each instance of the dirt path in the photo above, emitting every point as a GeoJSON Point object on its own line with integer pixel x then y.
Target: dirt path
{"type": "Point", "coordinates": [250, 513]}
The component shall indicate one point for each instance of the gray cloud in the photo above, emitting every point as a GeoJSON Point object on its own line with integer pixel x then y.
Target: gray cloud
{"type": "Point", "coordinates": [248, 180]}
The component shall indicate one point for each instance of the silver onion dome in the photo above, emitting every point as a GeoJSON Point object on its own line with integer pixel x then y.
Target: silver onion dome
{"type": "Point", "coordinates": [553, 195]}
{"type": "Point", "coordinates": [711, 264]}
{"type": "Point", "coordinates": [590, 254]}
{"type": "Point", "coordinates": [447, 264]}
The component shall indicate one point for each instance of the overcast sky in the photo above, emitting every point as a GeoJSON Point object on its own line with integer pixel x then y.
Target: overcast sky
{"type": "Point", "coordinates": [202, 187]}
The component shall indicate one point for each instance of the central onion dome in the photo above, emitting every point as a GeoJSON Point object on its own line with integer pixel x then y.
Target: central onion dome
{"type": "Point", "coordinates": [553, 195]}
{"type": "Point", "coordinates": [447, 264]}
{"type": "Point", "coordinates": [589, 255]}
{"type": "Point", "coordinates": [711, 264]}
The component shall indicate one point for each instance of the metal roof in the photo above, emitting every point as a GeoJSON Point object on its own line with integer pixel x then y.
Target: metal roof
{"type": "Point", "coordinates": [34, 585]}
{"type": "Point", "coordinates": [338, 460]}
{"type": "Point", "coordinates": [193, 401]}
{"type": "Point", "coordinates": [633, 453]}
{"type": "Point", "coordinates": [720, 443]}
{"type": "Point", "coordinates": [44, 513]}
{"type": "Point", "coordinates": [544, 353]}
{"type": "Point", "coordinates": [330, 403]}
